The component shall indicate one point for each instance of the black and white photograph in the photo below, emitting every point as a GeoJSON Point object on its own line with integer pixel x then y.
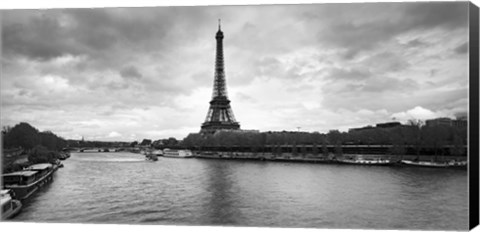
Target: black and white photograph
{"type": "Point", "coordinates": [332, 115]}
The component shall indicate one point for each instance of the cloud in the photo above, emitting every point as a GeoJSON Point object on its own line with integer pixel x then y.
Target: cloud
{"type": "Point", "coordinates": [130, 72]}
{"type": "Point", "coordinates": [385, 62]}
{"type": "Point", "coordinates": [351, 74]}
{"type": "Point", "coordinates": [462, 49]}
{"type": "Point", "coordinates": [386, 84]}
{"type": "Point", "coordinates": [40, 38]}
{"type": "Point", "coordinates": [416, 43]}
{"type": "Point", "coordinates": [362, 27]}
{"type": "Point", "coordinates": [148, 72]}
{"type": "Point", "coordinates": [114, 134]}
{"type": "Point", "coordinates": [417, 113]}
{"type": "Point", "coordinates": [437, 14]}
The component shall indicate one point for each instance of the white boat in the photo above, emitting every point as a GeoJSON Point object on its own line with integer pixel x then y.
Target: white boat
{"type": "Point", "coordinates": [366, 161]}
{"type": "Point", "coordinates": [157, 152]}
{"type": "Point", "coordinates": [10, 206]}
{"type": "Point", "coordinates": [456, 164]}
{"type": "Point", "coordinates": [151, 156]}
{"type": "Point", "coordinates": [177, 153]}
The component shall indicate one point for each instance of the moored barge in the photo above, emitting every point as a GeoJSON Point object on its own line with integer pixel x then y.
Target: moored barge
{"type": "Point", "coordinates": [26, 182]}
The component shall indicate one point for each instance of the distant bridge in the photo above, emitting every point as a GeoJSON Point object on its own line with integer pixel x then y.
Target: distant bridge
{"type": "Point", "coordinates": [93, 149]}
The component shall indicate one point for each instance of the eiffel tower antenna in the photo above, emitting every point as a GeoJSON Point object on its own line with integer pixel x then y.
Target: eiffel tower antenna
{"type": "Point", "coordinates": [220, 115]}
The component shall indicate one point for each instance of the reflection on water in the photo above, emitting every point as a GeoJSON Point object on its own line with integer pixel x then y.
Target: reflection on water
{"type": "Point", "coordinates": [220, 208]}
{"type": "Point", "coordinates": [124, 188]}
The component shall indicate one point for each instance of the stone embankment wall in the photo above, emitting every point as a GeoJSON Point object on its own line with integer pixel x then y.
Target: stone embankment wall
{"type": "Point", "coordinates": [310, 157]}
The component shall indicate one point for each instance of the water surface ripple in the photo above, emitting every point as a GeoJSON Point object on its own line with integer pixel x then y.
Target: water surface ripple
{"type": "Point", "coordinates": [124, 188]}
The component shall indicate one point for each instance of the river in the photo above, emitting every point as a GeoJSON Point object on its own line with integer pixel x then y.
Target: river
{"type": "Point", "coordinates": [126, 189]}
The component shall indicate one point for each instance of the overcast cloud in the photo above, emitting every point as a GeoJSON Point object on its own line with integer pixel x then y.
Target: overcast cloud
{"type": "Point", "coordinates": [133, 73]}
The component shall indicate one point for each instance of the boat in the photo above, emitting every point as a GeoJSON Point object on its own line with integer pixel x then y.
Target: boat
{"type": "Point", "coordinates": [206, 154]}
{"type": "Point", "coordinates": [26, 182]}
{"type": "Point", "coordinates": [362, 161]}
{"type": "Point", "coordinates": [158, 152]}
{"type": "Point", "coordinates": [10, 206]}
{"type": "Point", "coordinates": [177, 153]}
{"type": "Point", "coordinates": [458, 164]}
{"type": "Point", "coordinates": [63, 155]}
{"type": "Point", "coordinates": [150, 155]}
{"type": "Point", "coordinates": [57, 164]}
{"type": "Point", "coordinates": [431, 164]}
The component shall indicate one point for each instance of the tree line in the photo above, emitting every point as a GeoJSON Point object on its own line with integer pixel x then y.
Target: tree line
{"type": "Point", "coordinates": [415, 134]}
{"type": "Point", "coordinates": [37, 147]}
{"type": "Point", "coordinates": [28, 137]}
{"type": "Point", "coordinates": [95, 144]}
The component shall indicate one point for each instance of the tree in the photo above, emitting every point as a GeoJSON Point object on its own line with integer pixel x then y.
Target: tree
{"type": "Point", "coordinates": [335, 137]}
{"type": "Point", "coordinates": [22, 135]}
{"type": "Point", "coordinates": [324, 148]}
{"type": "Point", "coordinates": [294, 149]}
{"type": "Point", "coordinates": [303, 149]}
{"type": "Point", "coordinates": [415, 135]}
{"type": "Point", "coordinates": [192, 140]}
{"type": "Point", "coordinates": [146, 142]}
{"type": "Point", "coordinates": [416, 123]}
{"type": "Point", "coordinates": [458, 146]}
{"type": "Point", "coordinates": [171, 141]}
{"type": "Point", "coordinates": [435, 137]}
{"type": "Point", "coordinates": [50, 140]}
{"type": "Point", "coordinates": [397, 140]}
{"type": "Point", "coordinates": [6, 129]}
{"type": "Point", "coordinates": [315, 149]}
{"type": "Point", "coordinates": [40, 154]}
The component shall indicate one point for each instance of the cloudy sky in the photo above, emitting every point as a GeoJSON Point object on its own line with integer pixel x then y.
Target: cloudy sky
{"type": "Point", "coordinates": [126, 74]}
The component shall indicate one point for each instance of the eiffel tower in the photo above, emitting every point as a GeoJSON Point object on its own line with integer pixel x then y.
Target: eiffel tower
{"type": "Point", "coordinates": [220, 114]}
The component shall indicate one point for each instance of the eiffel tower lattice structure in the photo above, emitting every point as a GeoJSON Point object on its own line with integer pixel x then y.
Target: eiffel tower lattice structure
{"type": "Point", "coordinates": [220, 115]}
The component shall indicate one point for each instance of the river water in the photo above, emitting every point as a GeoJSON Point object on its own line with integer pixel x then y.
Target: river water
{"type": "Point", "coordinates": [124, 188]}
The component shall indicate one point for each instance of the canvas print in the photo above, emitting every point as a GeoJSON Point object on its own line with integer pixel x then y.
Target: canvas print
{"type": "Point", "coordinates": [341, 116]}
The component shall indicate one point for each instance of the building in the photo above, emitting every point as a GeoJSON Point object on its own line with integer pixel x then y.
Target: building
{"type": "Point", "coordinates": [361, 128]}
{"type": "Point", "coordinates": [378, 125]}
{"type": "Point", "coordinates": [438, 122]}
{"type": "Point", "coordinates": [388, 124]}
{"type": "Point", "coordinates": [460, 122]}
{"type": "Point", "coordinates": [238, 131]}
{"type": "Point", "coordinates": [220, 115]}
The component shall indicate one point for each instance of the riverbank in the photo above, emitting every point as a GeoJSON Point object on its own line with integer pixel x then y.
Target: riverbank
{"type": "Point", "coordinates": [18, 159]}
{"type": "Point", "coordinates": [322, 158]}
{"type": "Point", "coordinates": [364, 158]}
